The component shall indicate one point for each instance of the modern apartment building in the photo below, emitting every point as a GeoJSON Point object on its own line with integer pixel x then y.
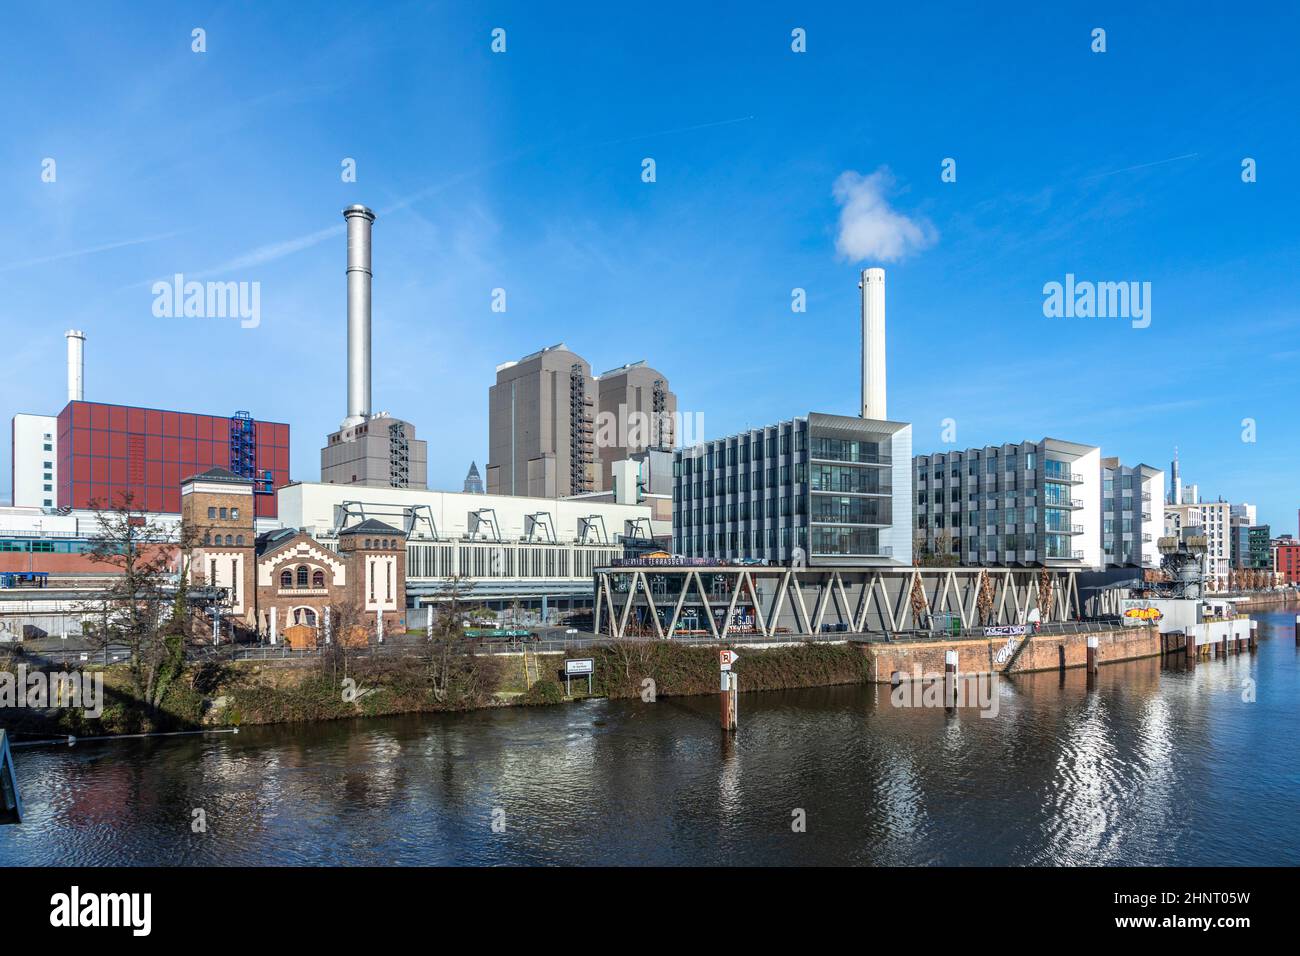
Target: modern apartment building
{"type": "Point", "coordinates": [1215, 520]}
{"type": "Point", "coordinates": [1030, 503]}
{"type": "Point", "coordinates": [555, 430]}
{"type": "Point", "coordinates": [1132, 517]}
{"type": "Point", "coordinates": [827, 489]}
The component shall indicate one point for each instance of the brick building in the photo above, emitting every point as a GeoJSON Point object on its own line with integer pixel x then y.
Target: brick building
{"type": "Point", "coordinates": [1288, 561]}
{"type": "Point", "coordinates": [286, 577]}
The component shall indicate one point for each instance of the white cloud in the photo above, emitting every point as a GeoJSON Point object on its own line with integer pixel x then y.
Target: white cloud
{"type": "Point", "coordinates": [869, 227]}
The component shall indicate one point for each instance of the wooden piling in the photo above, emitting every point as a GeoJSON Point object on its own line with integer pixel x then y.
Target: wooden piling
{"type": "Point", "coordinates": [1254, 626]}
{"type": "Point", "coordinates": [1092, 655]}
{"type": "Point", "coordinates": [1297, 630]}
{"type": "Point", "coordinates": [727, 699]}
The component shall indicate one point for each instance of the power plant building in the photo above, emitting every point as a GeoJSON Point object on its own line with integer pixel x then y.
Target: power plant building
{"type": "Point", "coordinates": [375, 450]}
{"type": "Point", "coordinates": [555, 429]}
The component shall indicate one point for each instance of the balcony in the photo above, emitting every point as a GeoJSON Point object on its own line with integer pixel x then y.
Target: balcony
{"type": "Point", "coordinates": [1072, 556]}
{"type": "Point", "coordinates": [1064, 529]}
{"type": "Point", "coordinates": [1064, 478]}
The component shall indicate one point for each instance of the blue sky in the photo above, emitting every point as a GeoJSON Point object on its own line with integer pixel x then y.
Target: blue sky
{"type": "Point", "coordinates": [522, 171]}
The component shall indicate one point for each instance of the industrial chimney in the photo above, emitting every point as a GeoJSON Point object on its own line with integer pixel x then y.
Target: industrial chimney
{"type": "Point", "coordinates": [359, 219]}
{"type": "Point", "coordinates": [873, 344]}
{"type": "Point", "coordinates": [76, 363]}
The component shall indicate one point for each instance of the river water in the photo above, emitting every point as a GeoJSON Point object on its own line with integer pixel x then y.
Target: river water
{"type": "Point", "coordinates": [1152, 765]}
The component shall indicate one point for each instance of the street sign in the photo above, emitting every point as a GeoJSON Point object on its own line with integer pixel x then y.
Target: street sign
{"type": "Point", "coordinates": [726, 659]}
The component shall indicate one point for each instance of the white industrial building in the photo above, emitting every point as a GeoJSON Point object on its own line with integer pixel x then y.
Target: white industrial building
{"type": "Point", "coordinates": [506, 550]}
{"type": "Point", "coordinates": [35, 460]}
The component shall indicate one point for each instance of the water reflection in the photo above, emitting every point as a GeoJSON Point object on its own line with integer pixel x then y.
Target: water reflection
{"type": "Point", "coordinates": [1150, 764]}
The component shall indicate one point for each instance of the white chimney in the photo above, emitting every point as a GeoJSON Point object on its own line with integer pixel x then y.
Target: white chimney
{"type": "Point", "coordinates": [359, 219]}
{"type": "Point", "coordinates": [76, 363]}
{"type": "Point", "coordinates": [873, 343]}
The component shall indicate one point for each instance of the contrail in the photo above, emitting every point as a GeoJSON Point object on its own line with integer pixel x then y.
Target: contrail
{"type": "Point", "coordinates": [1129, 169]}
{"type": "Point", "coordinates": [85, 252]}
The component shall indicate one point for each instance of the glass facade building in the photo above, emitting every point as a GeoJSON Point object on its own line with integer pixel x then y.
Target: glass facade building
{"type": "Point", "coordinates": [1030, 503]}
{"type": "Point", "coordinates": [827, 487]}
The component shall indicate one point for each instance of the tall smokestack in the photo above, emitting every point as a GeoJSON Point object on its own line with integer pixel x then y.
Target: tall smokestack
{"type": "Point", "coordinates": [873, 343]}
{"type": "Point", "coordinates": [76, 364]}
{"type": "Point", "coordinates": [359, 219]}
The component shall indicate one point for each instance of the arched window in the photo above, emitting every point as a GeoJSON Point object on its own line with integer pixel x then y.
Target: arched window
{"type": "Point", "coordinates": [229, 540]}
{"type": "Point", "coordinates": [318, 579]}
{"type": "Point", "coordinates": [302, 576]}
{"type": "Point", "coordinates": [239, 540]}
{"type": "Point", "coordinates": [286, 578]}
{"type": "Point", "coordinates": [207, 537]}
{"type": "Point", "coordinates": [367, 542]}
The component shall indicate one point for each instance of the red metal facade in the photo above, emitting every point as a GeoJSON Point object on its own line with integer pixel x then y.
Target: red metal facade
{"type": "Point", "coordinates": [105, 450]}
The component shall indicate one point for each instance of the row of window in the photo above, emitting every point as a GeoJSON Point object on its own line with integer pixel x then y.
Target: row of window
{"type": "Point", "coordinates": [990, 465]}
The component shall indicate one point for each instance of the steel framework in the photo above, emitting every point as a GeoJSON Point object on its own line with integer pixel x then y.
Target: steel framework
{"type": "Point", "coordinates": [770, 601]}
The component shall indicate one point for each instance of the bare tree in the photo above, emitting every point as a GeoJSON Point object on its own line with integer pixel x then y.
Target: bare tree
{"type": "Point", "coordinates": [143, 610]}
{"type": "Point", "coordinates": [347, 623]}
{"type": "Point", "coordinates": [920, 605]}
{"type": "Point", "coordinates": [984, 599]}
{"type": "Point", "coordinates": [1044, 594]}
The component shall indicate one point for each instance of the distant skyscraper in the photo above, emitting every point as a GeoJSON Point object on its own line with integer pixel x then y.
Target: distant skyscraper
{"type": "Point", "coordinates": [473, 481]}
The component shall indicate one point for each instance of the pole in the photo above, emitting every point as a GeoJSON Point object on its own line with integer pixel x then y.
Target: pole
{"type": "Point", "coordinates": [1254, 626]}
{"type": "Point", "coordinates": [1092, 654]}
{"type": "Point", "coordinates": [1297, 630]}
{"type": "Point", "coordinates": [950, 678]}
{"type": "Point", "coordinates": [428, 621]}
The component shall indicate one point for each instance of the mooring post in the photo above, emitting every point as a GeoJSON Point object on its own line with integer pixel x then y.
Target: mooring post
{"type": "Point", "coordinates": [950, 678]}
{"type": "Point", "coordinates": [1189, 646]}
{"type": "Point", "coordinates": [1297, 630]}
{"type": "Point", "coordinates": [1060, 657]}
{"type": "Point", "coordinates": [1254, 626]}
{"type": "Point", "coordinates": [1092, 654]}
{"type": "Point", "coordinates": [729, 689]}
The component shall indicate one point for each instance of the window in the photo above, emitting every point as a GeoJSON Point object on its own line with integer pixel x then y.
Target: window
{"type": "Point", "coordinates": [286, 578]}
{"type": "Point", "coordinates": [302, 576]}
{"type": "Point", "coordinates": [212, 512]}
{"type": "Point", "coordinates": [318, 579]}
{"type": "Point", "coordinates": [223, 514]}
{"type": "Point", "coordinates": [234, 514]}
{"type": "Point", "coordinates": [239, 540]}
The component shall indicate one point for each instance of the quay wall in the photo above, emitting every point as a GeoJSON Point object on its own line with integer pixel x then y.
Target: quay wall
{"type": "Point", "coordinates": [993, 655]}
